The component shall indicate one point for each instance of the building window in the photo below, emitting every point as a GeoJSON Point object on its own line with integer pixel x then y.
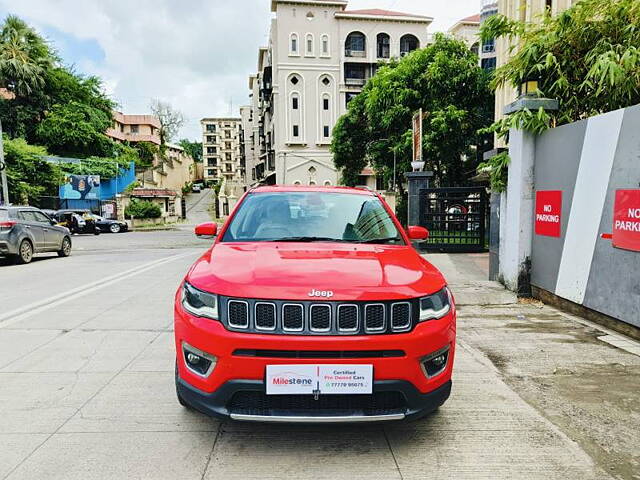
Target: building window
{"type": "Point", "coordinates": [212, 173]}
{"type": "Point", "coordinates": [355, 71]}
{"type": "Point", "coordinates": [228, 167]}
{"type": "Point", "coordinates": [327, 183]}
{"type": "Point", "coordinates": [310, 16]}
{"type": "Point", "coordinates": [309, 44]}
{"type": "Point", "coordinates": [384, 45]}
{"type": "Point", "coordinates": [349, 97]}
{"type": "Point", "coordinates": [294, 80]}
{"type": "Point", "coordinates": [488, 64]}
{"type": "Point", "coordinates": [489, 46]}
{"type": "Point", "coordinates": [211, 150]}
{"type": "Point", "coordinates": [293, 47]}
{"type": "Point", "coordinates": [380, 183]}
{"type": "Point", "coordinates": [325, 45]}
{"type": "Point", "coordinates": [211, 139]}
{"type": "Point", "coordinates": [211, 128]}
{"type": "Point", "coordinates": [211, 162]}
{"type": "Point", "coordinates": [296, 131]}
{"type": "Point", "coordinates": [325, 104]}
{"type": "Point", "coordinates": [408, 43]}
{"type": "Point", "coordinates": [326, 131]}
{"type": "Point", "coordinates": [295, 102]}
{"type": "Point", "coordinates": [134, 129]}
{"type": "Point", "coordinates": [356, 44]}
{"type": "Point", "coordinates": [227, 145]}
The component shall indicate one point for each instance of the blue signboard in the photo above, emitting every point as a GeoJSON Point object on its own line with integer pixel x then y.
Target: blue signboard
{"type": "Point", "coordinates": [80, 187]}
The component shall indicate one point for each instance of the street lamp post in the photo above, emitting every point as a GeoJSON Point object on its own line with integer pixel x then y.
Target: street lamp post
{"type": "Point", "coordinates": [3, 172]}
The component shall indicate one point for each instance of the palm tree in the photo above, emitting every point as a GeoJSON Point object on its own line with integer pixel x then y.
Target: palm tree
{"type": "Point", "coordinates": [24, 57]}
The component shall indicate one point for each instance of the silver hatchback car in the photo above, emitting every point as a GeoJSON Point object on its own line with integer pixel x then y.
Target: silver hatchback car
{"type": "Point", "coordinates": [25, 231]}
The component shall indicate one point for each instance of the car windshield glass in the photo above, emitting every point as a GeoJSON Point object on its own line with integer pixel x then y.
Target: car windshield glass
{"type": "Point", "coordinates": [312, 217]}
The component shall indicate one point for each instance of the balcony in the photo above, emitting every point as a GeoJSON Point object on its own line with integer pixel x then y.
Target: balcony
{"type": "Point", "coordinates": [355, 53]}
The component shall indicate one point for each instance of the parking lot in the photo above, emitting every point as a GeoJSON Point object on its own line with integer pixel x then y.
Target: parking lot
{"type": "Point", "coordinates": [86, 375]}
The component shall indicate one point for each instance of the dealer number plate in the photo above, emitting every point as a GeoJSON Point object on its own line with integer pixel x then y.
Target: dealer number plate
{"type": "Point", "coordinates": [319, 379]}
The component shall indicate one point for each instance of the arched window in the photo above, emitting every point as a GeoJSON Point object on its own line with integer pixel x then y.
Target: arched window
{"type": "Point", "coordinates": [309, 45]}
{"type": "Point", "coordinates": [326, 111]}
{"type": "Point", "coordinates": [408, 43]}
{"type": "Point", "coordinates": [325, 45]}
{"type": "Point", "coordinates": [356, 45]}
{"type": "Point", "coordinates": [295, 113]}
{"type": "Point", "coordinates": [384, 45]}
{"type": "Point", "coordinates": [293, 44]}
{"type": "Point", "coordinates": [327, 183]}
{"type": "Point", "coordinates": [475, 48]}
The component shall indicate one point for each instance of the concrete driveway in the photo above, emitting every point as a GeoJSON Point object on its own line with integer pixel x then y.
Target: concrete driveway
{"type": "Point", "coordinates": [86, 386]}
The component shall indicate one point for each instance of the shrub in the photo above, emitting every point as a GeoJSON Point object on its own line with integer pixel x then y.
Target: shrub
{"type": "Point", "coordinates": [142, 209]}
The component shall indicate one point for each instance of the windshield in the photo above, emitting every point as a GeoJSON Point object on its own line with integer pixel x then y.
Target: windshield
{"type": "Point", "coordinates": [312, 216]}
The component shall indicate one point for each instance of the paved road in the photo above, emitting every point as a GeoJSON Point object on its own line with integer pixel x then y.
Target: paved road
{"type": "Point", "coordinates": [86, 386]}
{"type": "Point", "coordinates": [198, 205]}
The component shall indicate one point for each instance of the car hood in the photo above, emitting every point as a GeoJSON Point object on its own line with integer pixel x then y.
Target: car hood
{"type": "Point", "coordinates": [290, 271]}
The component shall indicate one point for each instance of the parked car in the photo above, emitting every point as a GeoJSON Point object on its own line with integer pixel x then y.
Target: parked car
{"type": "Point", "coordinates": [77, 221]}
{"type": "Point", "coordinates": [110, 226]}
{"type": "Point", "coordinates": [312, 305]}
{"type": "Point", "coordinates": [26, 231]}
{"type": "Point", "coordinates": [196, 188]}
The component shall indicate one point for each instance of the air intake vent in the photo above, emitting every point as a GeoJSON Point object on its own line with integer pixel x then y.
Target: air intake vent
{"type": "Point", "coordinates": [320, 318]}
{"type": "Point", "coordinates": [374, 317]}
{"type": "Point", "coordinates": [238, 314]}
{"type": "Point", "coordinates": [292, 317]}
{"type": "Point", "coordinates": [347, 318]}
{"type": "Point", "coordinates": [401, 316]}
{"type": "Point", "coordinates": [265, 316]}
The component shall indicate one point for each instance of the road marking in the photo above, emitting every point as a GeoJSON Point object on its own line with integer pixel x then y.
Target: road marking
{"type": "Point", "coordinates": [14, 316]}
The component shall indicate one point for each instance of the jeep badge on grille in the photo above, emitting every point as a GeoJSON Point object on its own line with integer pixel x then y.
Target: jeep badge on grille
{"type": "Point", "coordinates": [320, 293]}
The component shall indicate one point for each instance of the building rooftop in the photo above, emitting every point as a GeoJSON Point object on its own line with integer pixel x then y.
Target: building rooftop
{"type": "Point", "coordinates": [471, 19]}
{"type": "Point", "coordinates": [382, 13]}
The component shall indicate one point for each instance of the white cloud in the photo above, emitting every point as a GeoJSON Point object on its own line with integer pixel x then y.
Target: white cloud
{"type": "Point", "coordinates": [195, 54]}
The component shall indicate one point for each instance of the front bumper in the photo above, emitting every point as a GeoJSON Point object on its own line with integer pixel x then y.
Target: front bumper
{"type": "Point", "coordinates": [220, 404]}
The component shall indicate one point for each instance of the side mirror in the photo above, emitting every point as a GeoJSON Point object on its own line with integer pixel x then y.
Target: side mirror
{"type": "Point", "coordinates": [207, 230]}
{"type": "Point", "coordinates": [417, 233]}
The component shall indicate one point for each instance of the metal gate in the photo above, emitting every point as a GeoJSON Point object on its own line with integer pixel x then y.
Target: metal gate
{"type": "Point", "coordinates": [457, 219]}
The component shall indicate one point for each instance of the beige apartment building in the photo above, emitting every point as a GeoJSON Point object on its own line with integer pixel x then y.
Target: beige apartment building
{"type": "Point", "coordinates": [320, 55]}
{"type": "Point", "coordinates": [135, 128]}
{"type": "Point", "coordinates": [526, 11]}
{"type": "Point", "coordinates": [468, 30]}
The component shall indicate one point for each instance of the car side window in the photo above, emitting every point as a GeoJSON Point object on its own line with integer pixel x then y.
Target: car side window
{"type": "Point", "coordinates": [40, 217]}
{"type": "Point", "coordinates": [26, 215]}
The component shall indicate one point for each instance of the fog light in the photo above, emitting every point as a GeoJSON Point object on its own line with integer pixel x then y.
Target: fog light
{"type": "Point", "coordinates": [197, 361]}
{"type": "Point", "coordinates": [435, 363]}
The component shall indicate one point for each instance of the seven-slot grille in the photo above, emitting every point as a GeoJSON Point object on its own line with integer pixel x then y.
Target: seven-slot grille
{"type": "Point", "coordinates": [318, 318]}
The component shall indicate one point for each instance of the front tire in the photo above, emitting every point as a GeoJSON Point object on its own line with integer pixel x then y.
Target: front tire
{"type": "Point", "coordinates": [65, 250]}
{"type": "Point", "coordinates": [114, 228]}
{"type": "Point", "coordinates": [25, 252]}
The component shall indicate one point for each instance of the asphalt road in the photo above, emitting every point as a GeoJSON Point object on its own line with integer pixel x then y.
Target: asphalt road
{"type": "Point", "coordinates": [86, 387]}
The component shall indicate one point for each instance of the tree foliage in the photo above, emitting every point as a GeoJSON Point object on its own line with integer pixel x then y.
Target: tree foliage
{"type": "Point", "coordinates": [28, 175]}
{"type": "Point", "coordinates": [193, 149]}
{"type": "Point", "coordinates": [588, 58]}
{"type": "Point", "coordinates": [142, 209]}
{"type": "Point", "coordinates": [443, 79]}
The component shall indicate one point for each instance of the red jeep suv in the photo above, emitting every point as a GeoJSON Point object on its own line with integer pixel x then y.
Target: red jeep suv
{"type": "Point", "coordinates": [313, 306]}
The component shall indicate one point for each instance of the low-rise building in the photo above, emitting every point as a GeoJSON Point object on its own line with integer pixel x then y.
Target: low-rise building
{"type": "Point", "coordinates": [135, 128]}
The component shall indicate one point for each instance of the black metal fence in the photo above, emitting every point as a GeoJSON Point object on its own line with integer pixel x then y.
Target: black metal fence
{"type": "Point", "coordinates": [457, 219]}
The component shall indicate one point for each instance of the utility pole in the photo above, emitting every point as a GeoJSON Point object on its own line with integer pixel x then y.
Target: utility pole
{"type": "Point", "coordinates": [3, 172]}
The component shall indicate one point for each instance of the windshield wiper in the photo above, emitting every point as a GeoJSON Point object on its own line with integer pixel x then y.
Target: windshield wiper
{"type": "Point", "coordinates": [381, 240]}
{"type": "Point", "coordinates": [306, 239]}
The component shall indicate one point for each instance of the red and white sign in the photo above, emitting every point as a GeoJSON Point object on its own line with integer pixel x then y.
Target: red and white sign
{"type": "Point", "coordinates": [548, 219]}
{"type": "Point", "coordinates": [626, 220]}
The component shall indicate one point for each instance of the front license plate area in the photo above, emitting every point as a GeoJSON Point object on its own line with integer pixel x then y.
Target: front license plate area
{"type": "Point", "coordinates": [319, 379]}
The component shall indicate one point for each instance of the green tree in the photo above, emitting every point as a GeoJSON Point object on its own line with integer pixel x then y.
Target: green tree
{"type": "Point", "coordinates": [28, 175]}
{"type": "Point", "coordinates": [75, 129]}
{"type": "Point", "coordinates": [443, 79]}
{"type": "Point", "coordinates": [24, 57]}
{"type": "Point", "coordinates": [193, 149]}
{"type": "Point", "coordinates": [147, 153]}
{"type": "Point", "coordinates": [588, 58]}
{"type": "Point", "coordinates": [142, 209]}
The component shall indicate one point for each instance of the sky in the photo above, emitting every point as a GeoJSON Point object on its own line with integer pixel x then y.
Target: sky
{"type": "Point", "coordinates": [195, 54]}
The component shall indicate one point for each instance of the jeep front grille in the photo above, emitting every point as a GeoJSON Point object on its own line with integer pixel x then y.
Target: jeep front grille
{"type": "Point", "coordinates": [318, 318]}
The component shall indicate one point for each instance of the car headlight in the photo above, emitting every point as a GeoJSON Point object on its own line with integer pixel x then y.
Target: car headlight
{"type": "Point", "coordinates": [435, 306]}
{"type": "Point", "coordinates": [199, 303]}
